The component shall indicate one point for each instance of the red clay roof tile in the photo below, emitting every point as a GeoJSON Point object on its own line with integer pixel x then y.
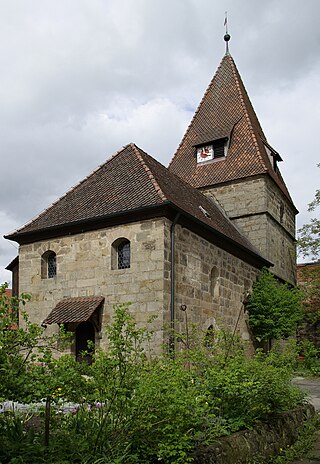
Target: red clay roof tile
{"type": "Point", "coordinates": [78, 309]}
{"type": "Point", "coordinates": [132, 179]}
{"type": "Point", "coordinates": [225, 108]}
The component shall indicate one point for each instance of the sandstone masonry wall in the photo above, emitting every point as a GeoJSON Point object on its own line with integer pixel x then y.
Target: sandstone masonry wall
{"type": "Point", "coordinates": [259, 444]}
{"type": "Point", "coordinates": [240, 198]}
{"type": "Point", "coordinates": [265, 216]}
{"type": "Point", "coordinates": [282, 247]}
{"type": "Point", "coordinates": [84, 269]}
{"type": "Point", "coordinates": [210, 281]}
{"type": "Point", "coordinates": [279, 207]}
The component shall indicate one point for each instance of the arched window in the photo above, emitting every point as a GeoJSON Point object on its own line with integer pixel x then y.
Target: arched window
{"type": "Point", "coordinates": [120, 254]}
{"type": "Point", "coordinates": [48, 265]}
{"type": "Point", "coordinates": [124, 255]}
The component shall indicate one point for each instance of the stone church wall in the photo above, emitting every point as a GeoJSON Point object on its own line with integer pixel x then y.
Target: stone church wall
{"type": "Point", "coordinates": [84, 269]}
{"type": "Point", "coordinates": [279, 208]}
{"type": "Point", "coordinates": [284, 250]}
{"type": "Point", "coordinates": [240, 198]}
{"type": "Point", "coordinates": [210, 281]}
{"type": "Point", "coordinates": [265, 216]}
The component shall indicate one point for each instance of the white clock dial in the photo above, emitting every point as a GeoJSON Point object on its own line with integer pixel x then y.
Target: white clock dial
{"type": "Point", "coordinates": [204, 153]}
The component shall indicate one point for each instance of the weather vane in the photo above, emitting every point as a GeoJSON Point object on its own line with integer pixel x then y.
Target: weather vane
{"type": "Point", "coordinates": [226, 36]}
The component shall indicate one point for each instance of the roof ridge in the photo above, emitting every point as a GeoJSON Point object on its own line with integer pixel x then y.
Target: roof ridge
{"type": "Point", "coordinates": [197, 110]}
{"type": "Point", "coordinates": [246, 113]}
{"type": "Point", "coordinates": [259, 137]}
{"type": "Point", "coordinates": [71, 189]}
{"type": "Point", "coordinates": [159, 191]}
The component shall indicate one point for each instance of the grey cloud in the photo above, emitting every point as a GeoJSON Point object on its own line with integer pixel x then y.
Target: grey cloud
{"type": "Point", "coordinates": [80, 79]}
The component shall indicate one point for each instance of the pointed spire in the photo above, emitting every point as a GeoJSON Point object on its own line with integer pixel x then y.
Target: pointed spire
{"type": "Point", "coordinates": [227, 36]}
{"type": "Point", "coordinates": [225, 112]}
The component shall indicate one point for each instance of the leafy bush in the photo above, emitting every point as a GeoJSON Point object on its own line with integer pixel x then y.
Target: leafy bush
{"type": "Point", "coordinates": [132, 409]}
{"type": "Point", "coordinates": [275, 309]}
{"type": "Point", "coordinates": [311, 359]}
{"type": "Point", "coordinates": [24, 351]}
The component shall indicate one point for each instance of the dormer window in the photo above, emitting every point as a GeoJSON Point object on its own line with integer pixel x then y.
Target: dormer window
{"type": "Point", "coordinates": [211, 150]}
{"type": "Point", "coordinates": [273, 156]}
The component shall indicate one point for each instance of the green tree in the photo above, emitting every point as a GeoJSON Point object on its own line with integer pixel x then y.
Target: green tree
{"type": "Point", "coordinates": [309, 234]}
{"type": "Point", "coordinates": [275, 309]}
{"type": "Point", "coordinates": [23, 350]}
{"type": "Point", "coordinates": [309, 276]}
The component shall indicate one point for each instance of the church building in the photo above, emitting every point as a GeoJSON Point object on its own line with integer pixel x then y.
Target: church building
{"type": "Point", "coordinates": [191, 237]}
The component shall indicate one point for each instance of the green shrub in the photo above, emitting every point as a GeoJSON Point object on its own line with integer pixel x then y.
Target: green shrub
{"type": "Point", "coordinates": [133, 409]}
{"type": "Point", "coordinates": [311, 361]}
{"type": "Point", "coordinates": [275, 309]}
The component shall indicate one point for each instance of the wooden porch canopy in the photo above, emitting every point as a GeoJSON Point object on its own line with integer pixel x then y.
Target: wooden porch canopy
{"type": "Point", "coordinates": [78, 309]}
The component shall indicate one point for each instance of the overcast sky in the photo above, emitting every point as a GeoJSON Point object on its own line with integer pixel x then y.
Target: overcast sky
{"type": "Point", "coordinates": [81, 78]}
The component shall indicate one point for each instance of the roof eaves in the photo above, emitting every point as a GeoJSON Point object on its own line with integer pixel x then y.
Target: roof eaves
{"type": "Point", "coordinates": [225, 238]}
{"type": "Point", "coordinates": [275, 153]}
{"type": "Point", "coordinates": [20, 229]}
{"type": "Point", "coordinates": [14, 232]}
{"type": "Point", "coordinates": [13, 263]}
{"type": "Point", "coordinates": [62, 229]}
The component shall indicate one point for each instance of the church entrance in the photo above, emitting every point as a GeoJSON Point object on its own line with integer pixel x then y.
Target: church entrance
{"type": "Point", "coordinates": [85, 333]}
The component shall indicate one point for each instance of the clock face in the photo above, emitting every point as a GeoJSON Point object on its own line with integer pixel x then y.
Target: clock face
{"type": "Point", "coordinates": [204, 153]}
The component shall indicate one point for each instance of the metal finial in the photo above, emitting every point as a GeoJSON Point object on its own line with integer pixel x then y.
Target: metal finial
{"type": "Point", "coordinates": [227, 36]}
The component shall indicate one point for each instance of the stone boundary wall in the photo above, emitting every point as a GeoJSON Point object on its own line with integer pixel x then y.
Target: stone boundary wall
{"type": "Point", "coordinates": [264, 441]}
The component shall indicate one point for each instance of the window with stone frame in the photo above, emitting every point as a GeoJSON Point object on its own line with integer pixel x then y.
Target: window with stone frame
{"type": "Point", "coordinates": [121, 254]}
{"type": "Point", "coordinates": [214, 279]}
{"type": "Point", "coordinates": [48, 265]}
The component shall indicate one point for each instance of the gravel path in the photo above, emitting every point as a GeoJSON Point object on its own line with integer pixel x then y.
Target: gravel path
{"type": "Point", "coordinates": [312, 387]}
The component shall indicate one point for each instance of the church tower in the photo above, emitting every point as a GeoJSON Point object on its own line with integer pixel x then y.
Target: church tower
{"type": "Point", "coordinates": [225, 154]}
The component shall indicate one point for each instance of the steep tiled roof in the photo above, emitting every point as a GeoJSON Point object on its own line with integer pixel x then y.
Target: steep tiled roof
{"type": "Point", "coordinates": [129, 181]}
{"type": "Point", "coordinates": [193, 202]}
{"type": "Point", "coordinates": [121, 184]}
{"type": "Point", "coordinates": [78, 309]}
{"type": "Point", "coordinates": [225, 109]}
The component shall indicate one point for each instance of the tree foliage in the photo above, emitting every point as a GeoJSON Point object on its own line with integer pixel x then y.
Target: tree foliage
{"type": "Point", "coordinates": [132, 408]}
{"type": "Point", "coordinates": [309, 234]}
{"type": "Point", "coordinates": [24, 348]}
{"type": "Point", "coordinates": [309, 277]}
{"type": "Point", "coordinates": [275, 309]}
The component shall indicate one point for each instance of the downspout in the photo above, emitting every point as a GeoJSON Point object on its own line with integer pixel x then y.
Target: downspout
{"type": "Point", "coordinates": [172, 289]}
